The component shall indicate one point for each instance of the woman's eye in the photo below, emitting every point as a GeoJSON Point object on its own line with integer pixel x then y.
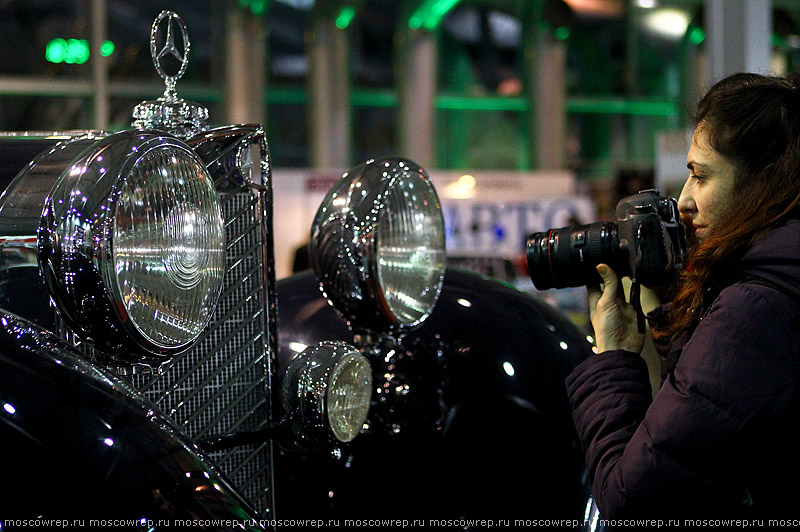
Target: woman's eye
{"type": "Point", "coordinates": [696, 176]}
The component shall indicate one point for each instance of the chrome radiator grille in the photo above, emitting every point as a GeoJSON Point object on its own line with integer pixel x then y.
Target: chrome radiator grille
{"type": "Point", "coordinates": [222, 384]}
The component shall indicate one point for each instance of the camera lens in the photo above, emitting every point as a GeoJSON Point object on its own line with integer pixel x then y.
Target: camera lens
{"type": "Point", "coordinates": [564, 257]}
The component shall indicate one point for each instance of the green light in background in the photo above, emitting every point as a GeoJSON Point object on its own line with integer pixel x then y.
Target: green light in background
{"type": "Point", "coordinates": [56, 51]}
{"type": "Point", "coordinates": [258, 7]}
{"type": "Point", "coordinates": [77, 51]}
{"type": "Point", "coordinates": [697, 36]}
{"type": "Point", "coordinates": [73, 51]}
{"type": "Point", "coordinates": [345, 17]}
{"type": "Point", "coordinates": [562, 33]}
{"type": "Point", "coordinates": [430, 14]}
{"type": "Point", "coordinates": [438, 11]}
{"type": "Point", "coordinates": [107, 48]}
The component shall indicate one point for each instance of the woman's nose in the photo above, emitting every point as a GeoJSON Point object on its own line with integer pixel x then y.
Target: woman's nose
{"type": "Point", "coordinates": [685, 202]}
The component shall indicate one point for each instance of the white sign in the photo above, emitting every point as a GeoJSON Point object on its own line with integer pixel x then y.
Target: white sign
{"type": "Point", "coordinates": [503, 228]}
{"type": "Point", "coordinates": [670, 171]}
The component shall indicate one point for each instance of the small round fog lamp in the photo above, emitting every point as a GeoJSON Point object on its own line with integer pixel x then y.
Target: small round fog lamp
{"type": "Point", "coordinates": [327, 390]}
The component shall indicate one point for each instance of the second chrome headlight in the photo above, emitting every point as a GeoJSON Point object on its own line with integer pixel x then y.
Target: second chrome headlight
{"type": "Point", "coordinates": [132, 244]}
{"type": "Point", "coordinates": [378, 245]}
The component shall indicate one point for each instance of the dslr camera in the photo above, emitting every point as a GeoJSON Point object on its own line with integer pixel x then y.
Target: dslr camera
{"type": "Point", "coordinates": [647, 243]}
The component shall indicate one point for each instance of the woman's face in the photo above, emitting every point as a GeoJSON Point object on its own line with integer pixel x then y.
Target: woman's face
{"type": "Point", "coordinates": [708, 189]}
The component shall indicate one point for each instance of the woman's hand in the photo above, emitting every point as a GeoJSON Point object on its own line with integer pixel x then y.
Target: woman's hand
{"type": "Point", "coordinates": [614, 320]}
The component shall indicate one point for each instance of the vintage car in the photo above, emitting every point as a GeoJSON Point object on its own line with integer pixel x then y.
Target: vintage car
{"type": "Point", "coordinates": [153, 375]}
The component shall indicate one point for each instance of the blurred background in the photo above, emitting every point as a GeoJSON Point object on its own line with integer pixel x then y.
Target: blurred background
{"type": "Point", "coordinates": [528, 114]}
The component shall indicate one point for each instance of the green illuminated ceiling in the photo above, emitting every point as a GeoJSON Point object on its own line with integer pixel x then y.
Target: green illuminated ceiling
{"type": "Point", "coordinates": [430, 14]}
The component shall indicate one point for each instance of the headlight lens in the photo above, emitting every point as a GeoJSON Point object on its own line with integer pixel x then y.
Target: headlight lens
{"type": "Point", "coordinates": [132, 245]}
{"type": "Point", "coordinates": [378, 245]}
{"type": "Point", "coordinates": [410, 248]}
{"type": "Point", "coordinates": [349, 395]}
{"type": "Point", "coordinates": [168, 246]}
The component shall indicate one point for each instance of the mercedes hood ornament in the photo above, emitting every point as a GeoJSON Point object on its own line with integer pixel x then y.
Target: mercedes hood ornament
{"type": "Point", "coordinates": [169, 41]}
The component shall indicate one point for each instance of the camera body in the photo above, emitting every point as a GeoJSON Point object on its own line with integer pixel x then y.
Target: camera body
{"type": "Point", "coordinates": [646, 243]}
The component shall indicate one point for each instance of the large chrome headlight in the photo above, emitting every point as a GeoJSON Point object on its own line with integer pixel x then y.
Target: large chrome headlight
{"type": "Point", "coordinates": [327, 390]}
{"type": "Point", "coordinates": [378, 245]}
{"type": "Point", "coordinates": [132, 245]}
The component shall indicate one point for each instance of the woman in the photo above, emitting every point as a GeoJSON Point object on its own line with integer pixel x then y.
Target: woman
{"type": "Point", "coordinates": [722, 436]}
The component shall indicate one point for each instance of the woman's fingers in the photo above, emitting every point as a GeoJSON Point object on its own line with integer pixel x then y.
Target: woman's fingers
{"type": "Point", "coordinates": [610, 285]}
{"type": "Point", "coordinates": [605, 292]}
{"type": "Point", "coordinates": [594, 296]}
{"type": "Point", "coordinates": [613, 319]}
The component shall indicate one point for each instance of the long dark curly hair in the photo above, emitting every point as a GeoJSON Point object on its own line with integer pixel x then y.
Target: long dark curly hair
{"type": "Point", "coordinates": [753, 121]}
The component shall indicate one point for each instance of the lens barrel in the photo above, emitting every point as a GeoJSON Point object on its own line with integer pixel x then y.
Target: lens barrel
{"type": "Point", "coordinates": [565, 257]}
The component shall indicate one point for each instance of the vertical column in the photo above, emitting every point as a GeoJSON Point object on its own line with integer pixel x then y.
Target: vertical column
{"type": "Point", "coordinates": [99, 65]}
{"type": "Point", "coordinates": [417, 88]}
{"type": "Point", "coordinates": [635, 149]}
{"type": "Point", "coordinates": [245, 70]}
{"type": "Point", "coordinates": [329, 95]}
{"type": "Point", "coordinates": [739, 33]}
{"type": "Point", "coordinates": [550, 116]}
{"type": "Point", "coordinates": [693, 74]}
{"type": "Point", "coordinates": [545, 86]}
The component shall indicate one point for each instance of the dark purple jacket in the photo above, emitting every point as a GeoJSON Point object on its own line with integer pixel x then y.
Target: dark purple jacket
{"type": "Point", "coordinates": [722, 437]}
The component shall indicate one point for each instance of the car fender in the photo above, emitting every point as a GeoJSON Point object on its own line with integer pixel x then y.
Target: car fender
{"type": "Point", "coordinates": [470, 415]}
{"type": "Point", "coordinates": [81, 444]}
